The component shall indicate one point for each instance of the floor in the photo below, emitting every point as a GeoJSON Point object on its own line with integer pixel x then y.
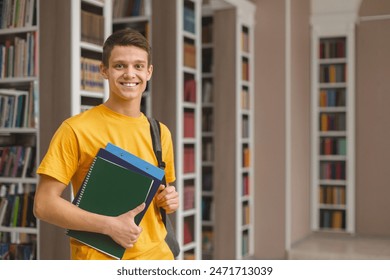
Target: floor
{"type": "Point", "coordinates": [340, 247]}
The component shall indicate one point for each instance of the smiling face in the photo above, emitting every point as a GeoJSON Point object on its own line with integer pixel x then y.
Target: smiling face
{"type": "Point", "coordinates": [127, 73]}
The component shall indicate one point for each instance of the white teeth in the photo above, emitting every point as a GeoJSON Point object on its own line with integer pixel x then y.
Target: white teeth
{"type": "Point", "coordinates": [130, 84]}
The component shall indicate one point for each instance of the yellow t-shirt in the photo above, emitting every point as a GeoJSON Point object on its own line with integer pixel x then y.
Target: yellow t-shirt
{"type": "Point", "coordinates": [71, 152]}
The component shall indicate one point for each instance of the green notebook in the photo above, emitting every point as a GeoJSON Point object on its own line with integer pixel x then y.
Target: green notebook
{"type": "Point", "coordinates": [109, 189]}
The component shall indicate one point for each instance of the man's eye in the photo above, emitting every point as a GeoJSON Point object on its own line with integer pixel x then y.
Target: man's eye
{"type": "Point", "coordinates": [119, 66]}
{"type": "Point", "coordinates": [139, 66]}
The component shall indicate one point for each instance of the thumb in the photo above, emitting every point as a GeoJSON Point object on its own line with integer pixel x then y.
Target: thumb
{"type": "Point", "coordinates": [137, 209]}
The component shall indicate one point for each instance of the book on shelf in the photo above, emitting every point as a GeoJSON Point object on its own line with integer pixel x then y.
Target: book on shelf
{"type": "Point", "coordinates": [189, 159]}
{"type": "Point", "coordinates": [91, 78]}
{"type": "Point", "coordinates": [131, 180]}
{"type": "Point", "coordinates": [207, 91]}
{"type": "Point", "coordinates": [189, 124]}
{"type": "Point", "coordinates": [189, 197]}
{"type": "Point", "coordinates": [190, 90]}
{"type": "Point", "coordinates": [16, 201]}
{"type": "Point", "coordinates": [15, 14]}
{"type": "Point", "coordinates": [92, 28]}
{"type": "Point", "coordinates": [189, 55]}
{"type": "Point", "coordinates": [188, 237]}
{"type": "Point", "coordinates": [189, 19]}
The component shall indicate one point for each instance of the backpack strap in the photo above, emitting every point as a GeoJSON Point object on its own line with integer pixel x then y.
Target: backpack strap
{"type": "Point", "coordinates": [155, 131]}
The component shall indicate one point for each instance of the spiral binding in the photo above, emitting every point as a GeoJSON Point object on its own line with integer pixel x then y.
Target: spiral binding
{"type": "Point", "coordinates": [81, 191]}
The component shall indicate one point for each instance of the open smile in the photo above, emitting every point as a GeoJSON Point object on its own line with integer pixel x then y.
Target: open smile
{"type": "Point", "coordinates": [128, 84]}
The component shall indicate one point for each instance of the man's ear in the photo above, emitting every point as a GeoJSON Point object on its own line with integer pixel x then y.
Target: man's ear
{"type": "Point", "coordinates": [150, 71]}
{"type": "Point", "coordinates": [103, 71]}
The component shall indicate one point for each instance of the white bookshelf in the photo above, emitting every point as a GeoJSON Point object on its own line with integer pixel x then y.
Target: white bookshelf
{"type": "Point", "coordinates": [181, 22]}
{"type": "Point", "coordinates": [333, 117]}
{"type": "Point", "coordinates": [126, 14]}
{"type": "Point", "coordinates": [233, 126]}
{"type": "Point", "coordinates": [24, 132]}
{"type": "Point", "coordinates": [82, 97]}
{"type": "Point", "coordinates": [208, 165]}
{"type": "Point", "coordinates": [245, 131]}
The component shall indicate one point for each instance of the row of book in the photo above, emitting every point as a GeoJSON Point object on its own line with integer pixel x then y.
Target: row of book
{"type": "Point", "coordinates": [245, 214]}
{"type": "Point", "coordinates": [245, 244]}
{"type": "Point", "coordinates": [207, 120]}
{"type": "Point", "coordinates": [207, 30]}
{"type": "Point", "coordinates": [18, 251]}
{"type": "Point", "coordinates": [332, 219]}
{"type": "Point", "coordinates": [17, 108]}
{"type": "Point", "coordinates": [189, 90]}
{"type": "Point", "coordinates": [332, 97]}
{"type": "Point", "coordinates": [333, 146]}
{"type": "Point", "coordinates": [189, 19]}
{"type": "Point", "coordinates": [189, 197]}
{"type": "Point", "coordinates": [189, 124]}
{"type": "Point", "coordinates": [16, 205]}
{"type": "Point", "coordinates": [91, 79]}
{"type": "Point", "coordinates": [189, 55]}
{"type": "Point", "coordinates": [188, 232]}
{"type": "Point", "coordinates": [333, 73]}
{"type": "Point", "coordinates": [333, 195]}
{"type": "Point", "coordinates": [17, 161]}
{"type": "Point", "coordinates": [245, 39]}
{"type": "Point", "coordinates": [16, 14]}
{"type": "Point", "coordinates": [245, 69]}
{"type": "Point", "coordinates": [245, 185]}
{"type": "Point", "coordinates": [207, 91]}
{"type": "Point", "coordinates": [246, 156]}
{"type": "Point", "coordinates": [207, 179]}
{"type": "Point", "coordinates": [189, 159]}
{"type": "Point", "coordinates": [18, 56]}
{"type": "Point", "coordinates": [207, 209]}
{"type": "Point", "coordinates": [332, 122]}
{"type": "Point", "coordinates": [207, 60]}
{"type": "Point", "coordinates": [245, 127]}
{"type": "Point", "coordinates": [207, 243]}
{"type": "Point", "coordinates": [245, 99]}
{"type": "Point", "coordinates": [128, 8]}
{"type": "Point", "coordinates": [332, 48]}
{"type": "Point", "coordinates": [332, 170]}
{"type": "Point", "coordinates": [92, 28]}
{"type": "Point", "coordinates": [207, 150]}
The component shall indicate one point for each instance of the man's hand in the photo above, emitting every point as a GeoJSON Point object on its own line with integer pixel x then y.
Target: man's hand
{"type": "Point", "coordinates": [167, 198]}
{"type": "Point", "coordinates": [123, 229]}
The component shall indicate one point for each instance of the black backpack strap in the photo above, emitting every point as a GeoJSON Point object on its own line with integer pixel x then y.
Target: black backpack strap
{"type": "Point", "coordinates": [155, 131]}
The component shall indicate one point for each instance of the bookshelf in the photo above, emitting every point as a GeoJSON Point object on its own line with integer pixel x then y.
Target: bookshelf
{"type": "Point", "coordinates": [71, 83]}
{"type": "Point", "coordinates": [19, 136]}
{"type": "Point", "coordinates": [135, 14]}
{"type": "Point", "coordinates": [333, 123]}
{"type": "Point", "coordinates": [234, 114]}
{"type": "Point", "coordinates": [207, 134]}
{"type": "Point", "coordinates": [88, 32]}
{"type": "Point", "coordinates": [177, 76]}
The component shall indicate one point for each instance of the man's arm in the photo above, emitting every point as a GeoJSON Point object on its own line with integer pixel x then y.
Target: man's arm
{"type": "Point", "coordinates": [50, 207]}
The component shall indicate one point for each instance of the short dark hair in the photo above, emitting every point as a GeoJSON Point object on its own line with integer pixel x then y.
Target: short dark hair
{"type": "Point", "coordinates": [125, 37]}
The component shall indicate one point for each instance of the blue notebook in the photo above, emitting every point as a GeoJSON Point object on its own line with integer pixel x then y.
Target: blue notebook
{"type": "Point", "coordinates": [127, 160]}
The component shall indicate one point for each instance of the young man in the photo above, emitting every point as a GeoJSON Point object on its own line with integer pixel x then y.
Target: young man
{"type": "Point", "coordinates": [126, 64]}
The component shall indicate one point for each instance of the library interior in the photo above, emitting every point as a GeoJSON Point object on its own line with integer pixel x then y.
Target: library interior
{"type": "Point", "coordinates": [277, 110]}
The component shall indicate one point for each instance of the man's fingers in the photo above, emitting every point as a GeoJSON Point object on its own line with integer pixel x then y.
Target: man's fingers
{"type": "Point", "coordinates": [137, 210]}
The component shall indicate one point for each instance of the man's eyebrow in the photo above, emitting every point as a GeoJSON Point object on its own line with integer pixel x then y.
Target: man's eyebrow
{"type": "Point", "coordinates": [126, 62]}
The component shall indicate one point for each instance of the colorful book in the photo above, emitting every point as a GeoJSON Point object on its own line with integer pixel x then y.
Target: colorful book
{"type": "Point", "coordinates": [112, 189]}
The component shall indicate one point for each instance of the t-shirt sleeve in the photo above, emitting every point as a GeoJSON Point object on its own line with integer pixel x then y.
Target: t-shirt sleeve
{"type": "Point", "coordinates": [61, 158]}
